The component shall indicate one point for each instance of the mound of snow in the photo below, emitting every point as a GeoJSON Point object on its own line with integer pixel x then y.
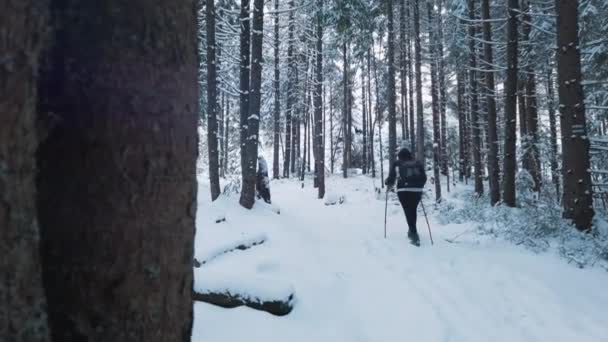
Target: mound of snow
{"type": "Point", "coordinates": [334, 198]}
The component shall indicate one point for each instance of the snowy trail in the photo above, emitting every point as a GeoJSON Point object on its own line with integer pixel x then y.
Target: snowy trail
{"type": "Point", "coordinates": [353, 285]}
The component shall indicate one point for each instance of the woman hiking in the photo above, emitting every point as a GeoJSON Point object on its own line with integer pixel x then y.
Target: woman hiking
{"type": "Point", "coordinates": [411, 178]}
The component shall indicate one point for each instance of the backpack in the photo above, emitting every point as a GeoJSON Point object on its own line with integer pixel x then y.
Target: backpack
{"type": "Point", "coordinates": [410, 175]}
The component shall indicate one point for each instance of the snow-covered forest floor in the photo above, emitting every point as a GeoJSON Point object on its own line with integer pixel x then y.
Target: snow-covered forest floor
{"type": "Point", "coordinates": [352, 285]}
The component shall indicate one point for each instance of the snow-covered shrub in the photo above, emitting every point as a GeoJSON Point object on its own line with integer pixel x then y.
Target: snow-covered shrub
{"type": "Point", "coordinates": [524, 185]}
{"type": "Point", "coordinates": [232, 186]}
{"type": "Point", "coordinates": [537, 224]}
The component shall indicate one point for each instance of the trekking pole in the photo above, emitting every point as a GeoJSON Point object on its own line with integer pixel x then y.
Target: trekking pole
{"type": "Point", "coordinates": [385, 211]}
{"type": "Point", "coordinates": [427, 222]}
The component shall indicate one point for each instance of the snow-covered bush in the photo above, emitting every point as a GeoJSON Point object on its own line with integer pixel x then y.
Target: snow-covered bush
{"type": "Point", "coordinates": [232, 186]}
{"type": "Point", "coordinates": [524, 185]}
{"type": "Point", "coordinates": [537, 224]}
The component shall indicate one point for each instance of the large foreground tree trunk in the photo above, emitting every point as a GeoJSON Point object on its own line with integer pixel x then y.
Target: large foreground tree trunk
{"type": "Point", "coordinates": [577, 197]}
{"type": "Point", "coordinates": [117, 178]}
{"type": "Point", "coordinates": [22, 305]}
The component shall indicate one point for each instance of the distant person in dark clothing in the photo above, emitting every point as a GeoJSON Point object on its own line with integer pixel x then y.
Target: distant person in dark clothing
{"type": "Point", "coordinates": [410, 178]}
{"type": "Point", "coordinates": [263, 182]}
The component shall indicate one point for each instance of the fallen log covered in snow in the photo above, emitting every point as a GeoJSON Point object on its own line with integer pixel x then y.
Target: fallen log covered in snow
{"type": "Point", "coordinates": [230, 291]}
{"type": "Point", "coordinates": [228, 300]}
{"type": "Point", "coordinates": [229, 247]}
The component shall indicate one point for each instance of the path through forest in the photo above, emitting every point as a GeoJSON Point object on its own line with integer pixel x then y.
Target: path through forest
{"type": "Point", "coordinates": [353, 285]}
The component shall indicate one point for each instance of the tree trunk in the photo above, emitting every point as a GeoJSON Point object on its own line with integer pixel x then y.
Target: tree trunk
{"type": "Point", "coordinates": [277, 97]}
{"type": "Point", "coordinates": [468, 128]}
{"type": "Point", "coordinates": [253, 121]}
{"type": "Point", "coordinates": [331, 130]}
{"type": "Point", "coordinates": [462, 126]}
{"type": "Point", "coordinates": [392, 119]}
{"type": "Point", "coordinates": [434, 103]}
{"type": "Point", "coordinates": [403, 72]}
{"type": "Point", "coordinates": [364, 117]}
{"type": "Point", "coordinates": [419, 114]}
{"type": "Point", "coordinates": [370, 121]}
{"type": "Point", "coordinates": [493, 168]}
{"type": "Point", "coordinates": [510, 157]}
{"type": "Point", "coordinates": [442, 95]}
{"type": "Point", "coordinates": [296, 119]}
{"type": "Point", "coordinates": [309, 122]}
{"type": "Point", "coordinates": [475, 122]}
{"type": "Point", "coordinates": [212, 104]}
{"type": "Point", "coordinates": [379, 121]}
{"type": "Point", "coordinates": [531, 157]}
{"type": "Point", "coordinates": [553, 130]}
{"type": "Point", "coordinates": [220, 133]}
{"type": "Point", "coordinates": [244, 49]}
{"type": "Point", "coordinates": [290, 97]}
{"type": "Point", "coordinates": [410, 77]}
{"type": "Point", "coordinates": [226, 136]}
{"type": "Point", "coordinates": [318, 103]}
{"type": "Point", "coordinates": [577, 197]}
{"type": "Point", "coordinates": [117, 174]}
{"type": "Point", "coordinates": [532, 127]}
{"type": "Point", "coordinates": [23, 316]}
{"type": "Point", "coordinates": [345, 111]}
{"type": "Point", "coordinates": [302, 169]}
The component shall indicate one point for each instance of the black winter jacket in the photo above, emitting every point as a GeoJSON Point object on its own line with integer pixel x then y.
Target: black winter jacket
{"type": "Point", "coordinates": [409, 174]}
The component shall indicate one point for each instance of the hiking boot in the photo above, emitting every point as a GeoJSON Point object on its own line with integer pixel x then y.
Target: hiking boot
{"type": "Point", "coordinates": [414, 238]}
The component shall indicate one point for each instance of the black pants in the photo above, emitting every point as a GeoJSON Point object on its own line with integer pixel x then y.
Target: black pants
{"type": "Point", "coordinates": [409, 202]}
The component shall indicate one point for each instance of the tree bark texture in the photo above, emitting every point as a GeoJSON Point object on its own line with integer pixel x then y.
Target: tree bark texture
{"type": "Point", "coordinates": [434, 103]}
{"type": "Point", "coordinates": [23, 316]}
{"type": "Point", "coordinates": [277, 96]}
{"type": "Point", "coordinates": [345, 111]}
{"type": "Point", "coordinates": [510, 157]}
{"type": "Point", "coordinates": [212, 104]}
{"type": "Point", "coordinates": [392, 116]}
{"type": "Point", "coordinates": [475, 122]}
{"type": "Point", "coordinates": [290, 98]}
{"type": "Point", "coordinates": [493, 168]}
{"type": "Point", "coordinates": [553, 132]}
{"type": "Point", "coordinates": [245, 62]}
{"type": "Point", "coordinates": [117, 173]}
{"type": "Point", "coordinates": [253, 120]}
{"type": "Point", "coordinates": [577, 197]}
{"type": "Point", "coordinates": [318, 104]}
{"type": "Point", "coordinates": [419, 113]}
